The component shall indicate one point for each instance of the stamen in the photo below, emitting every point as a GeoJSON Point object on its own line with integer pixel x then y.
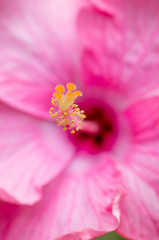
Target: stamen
{"type": "Point", "coordinates": [67, 113]}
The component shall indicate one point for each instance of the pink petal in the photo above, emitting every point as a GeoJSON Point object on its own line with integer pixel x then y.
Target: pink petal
{"type": "Point", "coordinates": [38, 51]}
{"type": "Point", "coordinates": [140, 170]}
{"type": "Point", "coordinates": [121, 45]}
{"type": "Point", "coordinates": [140, 208]}
{"type": "Point", "coordinates": [109, 7]}
{"type": "Point", "coordinates": [75, 206]}
{"type": "Point", "coordinates": [143, 117]}
{"type": "Point", "coordinates": [30, 155]}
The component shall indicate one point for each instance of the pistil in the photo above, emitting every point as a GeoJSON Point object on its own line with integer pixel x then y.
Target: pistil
{"type": "Point", "coordinates": [65, 111]}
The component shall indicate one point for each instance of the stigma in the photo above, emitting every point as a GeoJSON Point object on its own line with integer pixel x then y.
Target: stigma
{"type": "Point", "coordinates": [64, 110]}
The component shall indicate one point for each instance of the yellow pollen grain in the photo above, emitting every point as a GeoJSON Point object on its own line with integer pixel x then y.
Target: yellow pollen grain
{"type": "Point", "coordinates": [57, 95]}
{"type": "Point", "coordinates": [75, 105]}
{"type": "Point", "coordinates": [60, 88]}
{"type": "Point", "coordinates": [71, 86]}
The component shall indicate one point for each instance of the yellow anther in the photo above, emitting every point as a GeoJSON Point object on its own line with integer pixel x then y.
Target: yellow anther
{"type": "Point", "coordinates": [71, 86]}
{"type": "Point", "coordinates": [65, 128]}
{"type": "Point", "coordinates": [60, 88]}
{"type": "Point", "coordinates": [75, 105]}
{"type": "Point", "coordinates": [77, 93]}
{"type": "Point", "coordinates": [65, 114]}
{"type": "Point", "coordinates": [57, 95]}
{"type": "Point", "coordinates": [73, 131]}
{"type": "Point", "coordinates": [64, 122]}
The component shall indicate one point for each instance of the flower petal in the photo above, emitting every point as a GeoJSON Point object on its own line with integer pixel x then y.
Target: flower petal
{"type": "Point", "coordinates": [140, 208]}
{"type": "Point", "coordinates": [37, 46]}
{"type": "Point", "coordinates": [140, 170]}
{"type": "Point", "coordinates": [109, 7]}
{"type": "Point", "coordinates": [75, 206]}
{"type": "Point", "coordinates": [30, 155]}
{"type": "Point", "coordinates": [121, 46]}
{"type": "Point", "coordinates": [143, 117]}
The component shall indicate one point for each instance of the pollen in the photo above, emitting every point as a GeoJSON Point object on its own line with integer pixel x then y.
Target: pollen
{"type": "Point", "coordinates": [64, 110]}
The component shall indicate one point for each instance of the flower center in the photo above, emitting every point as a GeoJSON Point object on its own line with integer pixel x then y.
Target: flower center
{"type": "Point", "coordinates": [100, 128]}
{"type": "Point", "coordinates": [98, 131]}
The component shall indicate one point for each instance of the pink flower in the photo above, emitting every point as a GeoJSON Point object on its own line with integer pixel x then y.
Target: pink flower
{"type": "Point", "coordinates": [57, 185]}
{"type": "Point", "coordinates": [121, 54]}
{"type": "Point", "coordinates": [48, 190]}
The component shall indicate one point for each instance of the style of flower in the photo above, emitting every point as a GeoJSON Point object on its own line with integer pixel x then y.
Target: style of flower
{"type": "Point", "coordinates": [104, 176]}
{"type": "Point", "coordinates": [68, 114]}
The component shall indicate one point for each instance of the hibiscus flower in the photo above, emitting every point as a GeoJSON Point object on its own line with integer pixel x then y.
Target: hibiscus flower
{"type": "Point", "coordinates": [58, 185]}
{"type": "Point", "coordinates": [121, 54]}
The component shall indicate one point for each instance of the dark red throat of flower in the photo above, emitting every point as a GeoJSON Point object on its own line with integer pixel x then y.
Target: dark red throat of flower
{"type": "Point", "coordinates": [99, 130]}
